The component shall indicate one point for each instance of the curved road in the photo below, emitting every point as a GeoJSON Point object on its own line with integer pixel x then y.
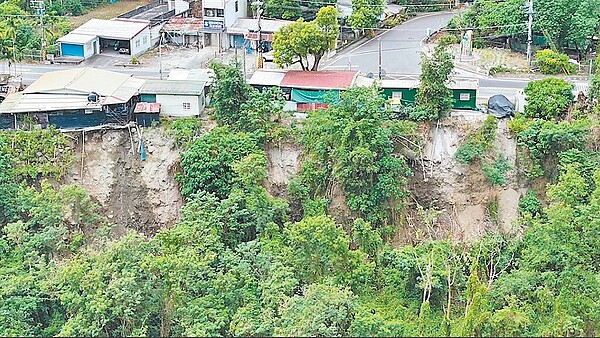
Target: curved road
{"type": "Point", "coordinates": [400, 48]}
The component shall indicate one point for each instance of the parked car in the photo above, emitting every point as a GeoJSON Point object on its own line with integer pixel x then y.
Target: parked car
{"type": "Point", "coordinates": [123, 50]}
{"type": "Point", "coordinates": [268, 57]}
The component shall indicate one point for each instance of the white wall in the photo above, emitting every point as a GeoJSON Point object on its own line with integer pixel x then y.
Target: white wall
{"type": "Point", "coordinates": [213, 4]}
{"type": "Point", "coordinates": [141, 42]}
{"type": "Point", "coordinates": [88, 48]}
{"type": "Point", "coordinates": [231, 15]}
{"type": "Point", "coordinates": [172, 105]}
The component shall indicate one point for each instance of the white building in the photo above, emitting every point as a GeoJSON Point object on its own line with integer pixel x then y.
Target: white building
{"type": "Point", "coordinates": [176, 97]}
{"type": "Point", "coordinates": [125, 36]}
{"type": "Point", "coordinates": [218, 16]}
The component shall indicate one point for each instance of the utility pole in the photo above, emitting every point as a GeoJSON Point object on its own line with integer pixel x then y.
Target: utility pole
{"type": "Point", "coordinates": [379, 40]}
{"type": "Point", "coordinates": [160, 37]}
{"type": "Point", "coordinates": [244, 60]}
{"type": "Point", "coordinates": [259, 10]}
{"type": "Point", "coordinates": [41, 8]}
{"type": "Point", "coordinates": [529, 32]}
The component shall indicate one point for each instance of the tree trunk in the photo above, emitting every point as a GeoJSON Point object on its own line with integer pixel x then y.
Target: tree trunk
{"type": "Point", "coordinates": [302, 64]}
{"type": "Point", "coordinates": [316, 64]}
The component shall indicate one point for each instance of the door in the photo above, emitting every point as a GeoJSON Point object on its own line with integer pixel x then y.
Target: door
{"type": "Point", "coordinates": [70, 49]}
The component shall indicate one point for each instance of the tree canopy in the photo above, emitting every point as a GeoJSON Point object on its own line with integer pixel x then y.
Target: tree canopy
{"type": "Point", "coordinates": [306, 42]}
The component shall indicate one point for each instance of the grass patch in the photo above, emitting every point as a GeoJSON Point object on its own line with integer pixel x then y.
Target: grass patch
{"type": "Point", "coordinates": [107, 11]}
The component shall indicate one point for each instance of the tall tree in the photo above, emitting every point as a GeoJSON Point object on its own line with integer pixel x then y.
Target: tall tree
{"type": "Point", "coordinates": [366, 13]}
{"type": "Point", "coordinates": [434, 98]}
{"type": "Point", "coordinates": [302, 41]}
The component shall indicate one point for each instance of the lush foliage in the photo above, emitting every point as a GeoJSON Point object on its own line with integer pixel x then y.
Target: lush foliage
{"type": "Point", "coordinates": [293, 9]}
{"type": "Point", "coordinates": [553, 62]}
{"type": "Point", "coordinates": [548, 98]}
{"type": "Point", "coordinates": [495, 171]}
{"type": "Point", "coordinates": [37, 153]}
{"type": "Point", "coordinates": [568, 24]}
{"type": "Point", "coordinates": [241, 262]}
{"type": "Point", "coordinates": [477, 143]}
{"type": "Point", "coordinates": [434, 98]}
{"type": "Point", "coordinates": [300, 40]}
{"type": "Point", "coordinates": [365, 13]}
{"type": "Point", "coordinates": [352, 143]}
{"type": "Point", "coordinates": [183, 130]}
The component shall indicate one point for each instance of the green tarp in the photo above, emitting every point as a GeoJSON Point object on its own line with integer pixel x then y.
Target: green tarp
{"type": "Point", "coordinates": [314, 96]}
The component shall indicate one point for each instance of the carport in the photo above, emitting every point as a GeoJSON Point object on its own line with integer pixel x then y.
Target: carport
{"type": "Point", "coordinates": [125, 36]}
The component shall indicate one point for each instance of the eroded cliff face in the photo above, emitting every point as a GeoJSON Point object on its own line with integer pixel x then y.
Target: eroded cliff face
{"type": "Point", "coordinates": [448, 200]}
{"type": "Point", "coordinates": [462, 202]}
{"type": "Point", "coordinates": [135, 194]}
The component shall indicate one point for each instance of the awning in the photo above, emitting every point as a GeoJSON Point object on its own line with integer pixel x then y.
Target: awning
{"type": "Point", "coordinates": [147, 108]}
{"type": "Point", "coordinates": [314, 96]}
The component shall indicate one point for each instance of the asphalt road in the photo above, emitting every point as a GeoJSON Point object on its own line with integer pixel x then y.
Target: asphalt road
{"type": "Point", "coordinates": [400, 48]}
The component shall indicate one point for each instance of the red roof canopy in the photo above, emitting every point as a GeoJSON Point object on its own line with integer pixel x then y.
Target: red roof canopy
{"type": "Point", "coordinates": [147, 107]}
{"type": "Point", "coordinates": [326, 79]}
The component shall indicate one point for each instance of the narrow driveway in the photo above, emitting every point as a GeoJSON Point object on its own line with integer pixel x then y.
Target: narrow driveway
{"type": "Point", "coordinates": [400, 48]}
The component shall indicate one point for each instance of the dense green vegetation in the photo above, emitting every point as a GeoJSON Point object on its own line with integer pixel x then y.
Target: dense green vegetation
{"type": "Point", "coordinates": [20, 30]}
{"type": "Point", "coordinates": [567, 24]}
{"type": "Point", "coordinates": [242, 262]}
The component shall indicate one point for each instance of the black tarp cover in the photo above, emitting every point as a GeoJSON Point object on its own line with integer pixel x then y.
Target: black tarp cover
{"type": "Point", "coordinates": [500, 106]}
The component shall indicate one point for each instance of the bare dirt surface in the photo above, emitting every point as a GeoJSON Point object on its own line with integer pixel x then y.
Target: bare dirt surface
{"type": "Point", "coordinates": [135, 194]}
{"type": "Point", "coordinates": [461, 193]}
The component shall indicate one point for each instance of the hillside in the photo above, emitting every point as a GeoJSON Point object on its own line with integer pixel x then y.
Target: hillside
{"type": "Point", "coordinates": [349, 223]}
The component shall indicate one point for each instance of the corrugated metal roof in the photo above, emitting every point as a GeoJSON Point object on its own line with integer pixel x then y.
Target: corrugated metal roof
{"type": "Point", "coordinates": [196, 74]}
{"type": "Point", "coordinates": [184, 25]}
{"type": "Point", "coordinates": [267, 77]}
{"type": "Point", "coordinates": [471, 84]}
{"type": "Point", "coordinates": [76, 38]}
{"type": "Point", "coordinates": [118, 29]}
{"type": "Point", "coordinates": [245, 25]}
{"type": "Point", "coordinates": [173, 87]}
{"type": "Point", "coordinates": [147, 107]}
{"type": "Point", "coordinates": [399, 83]}
{"type": "Point", "coordinates": [30, 103]}
{"type": "Point", "coordinates": [331, 79]}
{"type": "Point", "coordinates": [364, 81]}
{"type": "Point", "coordinates": [115, 87]}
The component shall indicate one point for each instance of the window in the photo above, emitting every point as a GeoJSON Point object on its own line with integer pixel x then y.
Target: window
{"type": "Point", "coordinates": [187, 106]}
{"type": "Point", "coordinates": [397, 95]}
{"type": "Point", "coordinates": [209, 12]}
{"type": "Point", "coordinates": [145, 40]}
{"type": "Point", "coordinates": [464, 97]}
{"type": "Point", "coordinates": [236, 6]}
{"type": "Point", "coordinates": [137, 43]}
{"type": "Point", "coordinates": [220, 13]}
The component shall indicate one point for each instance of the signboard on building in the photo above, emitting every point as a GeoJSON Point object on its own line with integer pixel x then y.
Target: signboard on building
{"type": "Point", "coordinates": [263, 36]}
{"type": "Point", "coordinates": [214, 25]}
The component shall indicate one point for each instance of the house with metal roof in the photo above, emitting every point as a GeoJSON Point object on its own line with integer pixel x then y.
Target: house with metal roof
{"type": "Point", "coordinates": [184, 31]}
{"type": "Point", "coordinates": [178, 98]}
{"type": "Point", "coordinates": [308, 90]}
{"type": "Point", "coordinates": [404, 92]}
{"type": "Point", "coordinates": [75, 98]}
{"type": "Point", "coordinates": [124, 36]}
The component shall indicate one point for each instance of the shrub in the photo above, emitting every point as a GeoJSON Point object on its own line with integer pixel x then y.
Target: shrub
{"type": "Point", "coordinates": [499, 70]}
{"type": "Point", "coordinates": [495, 172]}
{"type": "Point", "coordinates": [183, 130]}
{"type": "Point", "coordinates": [530, 204]}
{"type": "Point", "coordinates": [553, 62]}
{"type": "Point", "coordinates": [478, 142]}
{"type": "Point", "coordinates": [548, 98]}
